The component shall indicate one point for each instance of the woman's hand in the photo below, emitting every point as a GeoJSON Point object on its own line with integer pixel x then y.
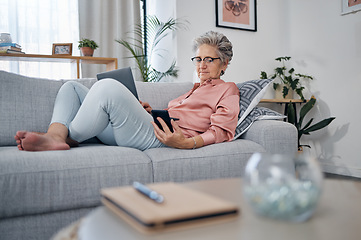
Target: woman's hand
{"type": "Point", "coordinates": [146, 106]}
{"type": "Point", "coordinates": [174, 139]}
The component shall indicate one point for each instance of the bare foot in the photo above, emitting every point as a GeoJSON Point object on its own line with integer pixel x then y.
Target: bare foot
{"type": "Point", "coordinates": [71, 142]}
{"type": "Point", "coordinates": [18, 141]}
{"type": "Point", "coordinates": [31, 141]}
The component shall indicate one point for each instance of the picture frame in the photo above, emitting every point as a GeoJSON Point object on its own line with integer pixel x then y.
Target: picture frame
{"type": "Point", "coordinates": [237, 14]}
{"type": "Point", "coordinates": [350, 6]}
{"type": "Point", "coordinates": [62, 48]}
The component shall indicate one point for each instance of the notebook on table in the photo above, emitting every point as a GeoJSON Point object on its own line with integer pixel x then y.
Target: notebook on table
{"type": "Point", "coordinates": [123, 75]}
{"type": "Point", "coordinates": [182, 207]}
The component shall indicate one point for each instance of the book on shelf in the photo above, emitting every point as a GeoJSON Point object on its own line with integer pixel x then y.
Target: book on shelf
{"type": "Point", "coordinates": [10, 45]}
{"type": "Point", "coordinates": [4, 49]}
{"type": "Point", "coordinates": [13, 52]}
{"type": "Point", "coordinates": [13, 48]}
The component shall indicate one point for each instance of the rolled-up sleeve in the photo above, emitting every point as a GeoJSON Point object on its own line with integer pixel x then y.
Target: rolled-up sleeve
{"type": "Point", "coordinates": [223, 121]}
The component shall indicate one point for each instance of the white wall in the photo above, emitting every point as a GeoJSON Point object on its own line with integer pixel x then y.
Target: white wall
{"type": "Point", "coordinates": [328, 45]}
{"type": "Point", "coordinates": [252, 51]}
{"type": "Point", "coordinates": [321, 43]}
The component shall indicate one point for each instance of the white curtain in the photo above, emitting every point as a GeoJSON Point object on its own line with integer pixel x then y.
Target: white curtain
{"type": "Point", "coordinates": [104, 22]}
{"type": "Point", "coordinates": [36, 25]}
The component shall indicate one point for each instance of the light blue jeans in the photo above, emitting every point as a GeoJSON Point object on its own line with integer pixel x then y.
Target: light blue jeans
{"type": "Point", "coordinates": [108, 111]}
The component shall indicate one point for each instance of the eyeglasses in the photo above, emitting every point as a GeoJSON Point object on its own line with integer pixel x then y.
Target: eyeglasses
{"type": "Point", "coordinates": [207, 60]}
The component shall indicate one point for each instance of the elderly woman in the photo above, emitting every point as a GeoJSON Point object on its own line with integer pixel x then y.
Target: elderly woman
{"type": "Point", "coordinates": [207, 113]}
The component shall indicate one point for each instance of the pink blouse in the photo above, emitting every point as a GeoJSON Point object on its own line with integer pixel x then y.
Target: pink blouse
{"type": "Point", "coordinates": [209, 110]}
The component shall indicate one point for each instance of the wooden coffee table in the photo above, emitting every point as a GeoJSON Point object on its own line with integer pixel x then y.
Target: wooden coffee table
{"type": "Point", "coordinates": [338, 216]}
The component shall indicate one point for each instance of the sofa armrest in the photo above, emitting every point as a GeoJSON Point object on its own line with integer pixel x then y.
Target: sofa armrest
{"type": "Point", "coordinates": [274, 135]}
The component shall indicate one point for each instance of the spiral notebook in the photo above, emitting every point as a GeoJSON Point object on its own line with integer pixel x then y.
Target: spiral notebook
{"type": "Point", "coordinates": [182, 207]}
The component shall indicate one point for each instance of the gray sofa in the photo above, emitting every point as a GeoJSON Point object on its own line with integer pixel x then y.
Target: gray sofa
{"type": "Point", "coordinates": [41, 192]}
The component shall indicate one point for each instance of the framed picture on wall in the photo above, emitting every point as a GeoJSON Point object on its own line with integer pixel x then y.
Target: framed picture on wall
{"type": "Point", "coordinates": [350, 6]}
{"type": "Point", "coordinates": [237, 14]}
{"type": "Point", "coordinates": [62, 49]}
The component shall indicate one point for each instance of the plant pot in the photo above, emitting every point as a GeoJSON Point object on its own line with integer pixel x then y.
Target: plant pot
{"type": "Point", "coordinates": [87, 51]}
{"type": "Point", "coordinates": [279, 94]}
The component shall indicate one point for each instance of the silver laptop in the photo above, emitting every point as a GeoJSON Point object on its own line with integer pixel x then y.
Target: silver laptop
{"type": "Point", "coordinates": [123, 75]}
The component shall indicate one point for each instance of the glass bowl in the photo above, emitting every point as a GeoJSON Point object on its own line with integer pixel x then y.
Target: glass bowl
{"type": "Point", "coordinates": [5, 38]}
{"type": "Point", "coordinates": [283, 187]}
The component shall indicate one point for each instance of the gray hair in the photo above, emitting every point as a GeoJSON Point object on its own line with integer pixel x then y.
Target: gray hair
{"type": "Point", "coordinates": [218, 40]}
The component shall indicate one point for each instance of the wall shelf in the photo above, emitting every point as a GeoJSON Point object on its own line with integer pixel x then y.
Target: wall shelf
{"type": "Point", "coordinates": [111, 63]}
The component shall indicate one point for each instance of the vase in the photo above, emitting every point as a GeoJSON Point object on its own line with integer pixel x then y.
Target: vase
{"type": "Point", "coordinates": [279, 93]}
{"type": "Point", "coordinates": [87, 51]}
{"type": "Point", "coordinates": [283, 187]}
{"type": "Point", "coordinates": [5, 38]}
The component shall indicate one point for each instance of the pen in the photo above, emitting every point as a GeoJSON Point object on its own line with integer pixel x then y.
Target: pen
{"type": "Point", "coordinates": [151, 194]}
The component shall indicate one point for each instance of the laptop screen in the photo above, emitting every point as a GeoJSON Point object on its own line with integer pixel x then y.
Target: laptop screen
{"type": "Point", "coordinates": [123, 75]}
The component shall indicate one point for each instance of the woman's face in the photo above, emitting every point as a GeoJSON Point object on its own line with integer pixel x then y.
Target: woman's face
{"type": "Point", "coordinates": [208, 70]}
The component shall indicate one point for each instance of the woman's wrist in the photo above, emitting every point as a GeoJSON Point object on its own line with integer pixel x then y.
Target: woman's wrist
{"type": "Point", "coordinates": [195, 143]}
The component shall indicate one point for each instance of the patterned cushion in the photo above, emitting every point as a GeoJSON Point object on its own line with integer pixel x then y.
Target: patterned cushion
{"type": "Point", "coordinates": [251, 93]}
{"type": "Point", "coordinates": [257, 113]}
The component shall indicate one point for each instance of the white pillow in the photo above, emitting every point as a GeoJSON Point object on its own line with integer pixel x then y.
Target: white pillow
{"type": "Point", "coordinates": [251, 92]}
{"type": "Point", "coordinates": [257, 113]}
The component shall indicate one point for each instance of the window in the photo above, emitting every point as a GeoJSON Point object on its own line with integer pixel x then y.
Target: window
{"type": "Point", "coordinates": [36, 25]}
{"type": "Point", "coordinates": [164, 10]}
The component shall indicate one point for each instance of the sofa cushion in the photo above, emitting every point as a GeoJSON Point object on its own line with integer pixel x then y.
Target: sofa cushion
{"type": "Point", "coordinates": [275, 136]}
{"type": "Point", "coordinates": [26, 104]}
{"type": "Point", "coordinates": [219, 160]}
{"type": "Point", "coordinates": [39, 182]}
{"type": "Point", "coordinates": [159, 94]}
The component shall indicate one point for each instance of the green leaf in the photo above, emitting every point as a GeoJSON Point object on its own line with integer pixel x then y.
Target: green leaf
{"type": "Point", "coordinates": [155, 75]}
{"type": "Point", "coordinates": [319, 125]}
{"type": "Point", "coordinates": [299, 92]}
{"type": "Point", "coordinates": [306, 108]}
{"type": "Point", "coordinates": [285, 91]}
{"type": "Point", "coordinates": [263, 75]}
{"type": "Point", "coordinates": [293, 83]}
{"type": "Point", "coordinates": [280, 70]}
{"type": "Point", "coordinates": [304, 76]}
{"type": "Point", "coordinates": [275, 85]}
{"type": "Point", "coordinates": [291, 114]}
{"type": "Point", "coordinates": [85, 42]}
{"type": "Point", "coordinates": [283, 59]}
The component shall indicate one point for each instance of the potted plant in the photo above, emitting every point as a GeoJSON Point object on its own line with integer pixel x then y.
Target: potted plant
{"type": "Point", "coordinates": [87, 47]}
{"type": "Point", "coordinates": [155, 32]}
{"type": "Point", "coordinates": [289, 81]}
{"type": "Point", "coordinates": [307, 128]}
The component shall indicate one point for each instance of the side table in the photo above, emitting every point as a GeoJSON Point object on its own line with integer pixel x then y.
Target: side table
{"type": "Point", "coordinates": [338, 216]}
{"type": "Point", "coordinates": [286, 102]}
